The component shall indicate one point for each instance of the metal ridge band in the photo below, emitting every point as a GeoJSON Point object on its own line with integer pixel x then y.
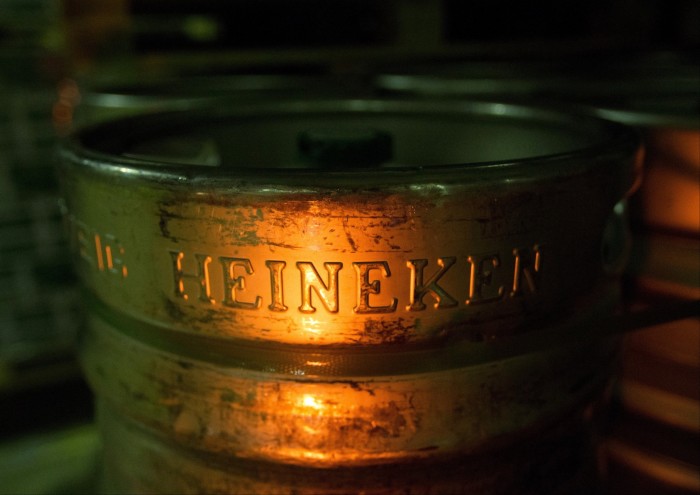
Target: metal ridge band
{"type": "Point", "coordinates": [585, 327]}
{"type": "Point", "coordinates": [246, 249]}
{"type": "Point", "coordinates": [325, 421]}
{"type": "Point", "coordinates": [133, 448]}
{"type": "Point", "coordinates": [597, 321]}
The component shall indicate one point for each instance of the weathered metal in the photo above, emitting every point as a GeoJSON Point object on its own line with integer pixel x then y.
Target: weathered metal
{"type": "Point", "coordinates": [490, 220]}
{"type": "Point", "coordinates": [271, 319]}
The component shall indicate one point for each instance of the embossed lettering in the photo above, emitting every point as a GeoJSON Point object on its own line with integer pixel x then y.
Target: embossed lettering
{"type": "Point", "coordinates": [276, 286]}
{"type": "Point", "coordinates": [480, 276]}
{"type": "Point", "coordinates": [233, 284]}
{"type": "Point", "coordinates": [201, 277]}
{"type": "Point", "coordinates": [85, 244]}
{"type": "Point", "coordinates": [526, 267]}
{"type": "Point", "coordinates": [114, 253]}
{"type": "Point", "coordinates": [310, 279]}
{"type": "Point", "coordinates": [365, 288]}
{"type": "Point", "coordinates": [419, 290]}
{"type": "Point", "coordinates": [102, 252]}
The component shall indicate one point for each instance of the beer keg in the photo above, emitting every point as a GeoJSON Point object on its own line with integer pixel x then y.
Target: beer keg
{"type": "Point", "coordinates": [103, 97]}
{"type": "Point", "coordinates": [332, 295]}
{"type": "Point", "coordinates": [596, 77]}
{"type": "Point", "coordinates": [660, 387]}
{"type": "Point", "coordinates": [653, 447]}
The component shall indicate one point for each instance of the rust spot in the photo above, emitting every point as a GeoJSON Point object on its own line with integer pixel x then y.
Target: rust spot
{"type": "Point", "coordinates": [387, 332]}
{"type": "Point", "coordinates": [164, 217]}
{"type": "Point", "coordinates": [348, 236]}
{"type": "Point", "coordinates": [174, 311]}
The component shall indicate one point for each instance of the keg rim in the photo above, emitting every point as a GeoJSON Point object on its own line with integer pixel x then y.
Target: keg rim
{"type": "Point", "coordinates": [612, 139]}
{"type": "Point", "coordinates": [676, 102]}
{"type": "Point", "coordinates": [176, 91]}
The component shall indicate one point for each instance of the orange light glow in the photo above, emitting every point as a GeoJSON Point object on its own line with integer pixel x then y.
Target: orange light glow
{"type": "Point", "coordinates": [312, 402]}
{"type": "Point", "coordinates": [671, 197]}
{"type": "Point", "coordinates": [310, 324]}
{"type": "Point", "coordinates": [316, 364]}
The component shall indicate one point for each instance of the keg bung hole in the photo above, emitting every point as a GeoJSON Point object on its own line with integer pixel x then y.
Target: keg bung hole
{"type": "Point", "coordinates": [358, 147]}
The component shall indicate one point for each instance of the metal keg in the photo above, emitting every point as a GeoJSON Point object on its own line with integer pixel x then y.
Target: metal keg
{"type": "Point", "coordinates": [103, 97]}
{"type": "Point", "coordinates": [594, 77]}
{"type": "Point", "coordinates": [660, 387]}
{"type": "Point", "coordinates": [343, 295]}
{"type": "Point", "coordinates": [653, 447]}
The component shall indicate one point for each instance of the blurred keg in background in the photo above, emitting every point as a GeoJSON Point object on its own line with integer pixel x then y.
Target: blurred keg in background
{"type": "Point", "coordinates": [109, 96]}
{"type": "Point", "coordinates": [592, 76]}
{"type": "Point", "coordinates": [655, 441]}
{"type": "Point", "coordinates": [283, 315]}
{"type": "Point", "coordinates": [39, 303]}
{"type": "Point", "coordinates": [654, 445]}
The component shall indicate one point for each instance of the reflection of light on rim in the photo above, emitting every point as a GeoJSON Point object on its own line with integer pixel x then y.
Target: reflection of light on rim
{"type": "Point", "coordinates": [499, 109]}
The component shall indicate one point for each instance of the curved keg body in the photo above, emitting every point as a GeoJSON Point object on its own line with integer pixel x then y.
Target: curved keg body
{"type": "Point", "coordinates": [416, 411]}
{"type": "Point", "coordinates": [658, 95]}
{"type": "Point", "coordinates": [282, 284]}
{"type": "Point", "coordinates": [558, 459]}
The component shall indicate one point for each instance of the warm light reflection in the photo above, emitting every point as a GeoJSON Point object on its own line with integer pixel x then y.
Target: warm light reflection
{"type": "Point", "coordinates": [311, 416]}
{"type": "Point", "coordinates": [328, 421]}
{"type": "Point", "coordinates": [679, 145]}
{"type": "Point", "coordinates": [317, 364]}
{"type": "Point", "coordinates": [671, 197]}
{"type": "Point", "coordinates": [311, 324]}
{"type": "Point", "coordinates": [670, 192]}
{"type": "Point", "coordinates": [365, 287]}
{"type": "Point", "coordinates": [312, 402]}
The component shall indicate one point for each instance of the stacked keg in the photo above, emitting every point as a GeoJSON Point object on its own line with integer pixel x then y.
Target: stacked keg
{"type": "Point", "coordinates": [653, 441]}
{"type": "Point", "coordinates": [119, 93]}
{"type": "Point", "coordinates": [341, 295]}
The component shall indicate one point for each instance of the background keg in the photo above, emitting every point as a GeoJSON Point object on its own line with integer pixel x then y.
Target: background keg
{"type": "Point", "coordinates": [269, 309]}
{"type": "Point", "coordinates": [654, 444]}
{"type": "Point", "coordinates": [608, 77]}
{"type": "Point", "coordinates": [102, 97]}
{"type": "Point", "coordinates": [39, 309]}
{"type": "Point", "coordinates": [654, 447]}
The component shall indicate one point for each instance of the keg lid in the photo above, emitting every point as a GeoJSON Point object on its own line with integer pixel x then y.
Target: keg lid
{"type": "Point", "coordinates": [341, 146]}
